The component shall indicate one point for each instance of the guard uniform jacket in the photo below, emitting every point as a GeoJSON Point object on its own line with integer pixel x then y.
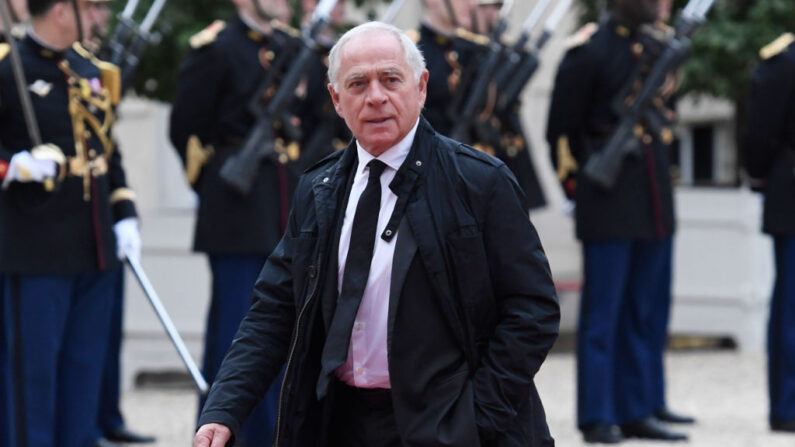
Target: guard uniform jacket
{"type": "Point", "coordinates": [582, 116]}
{"type": "Point", "coordinates": [449, 62]}
{"type": "Point", "coordinates": [473, 310]}
{"type": "Point", "coordinates": [769, 141]}
{"type": "Point", "coordinates": [68, 230]}
{"type": "Point", "coordinates": [211, 109]}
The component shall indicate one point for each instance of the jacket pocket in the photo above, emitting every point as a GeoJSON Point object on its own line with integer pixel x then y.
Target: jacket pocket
{"type": "Point", "coordinates": [472, 282]}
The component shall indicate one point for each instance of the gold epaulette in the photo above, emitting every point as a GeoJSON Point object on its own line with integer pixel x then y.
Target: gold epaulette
{"type": "Point", "coordinates": [111, 74]}
{"type": "Point", "coordinates": [4, 50]}
{"type": "Point", "coordinates": [413, 34]}
{"type": "Point", "coordinates": [285, 28]}
{"type": "Point", "coordinates": [207, 35]}
{"type": "Point", "coordinates": [582, 36]}
{"type": "Point", "coordinates": [777, 46]}
{"type": "Point", "coordinates": [471, 37]}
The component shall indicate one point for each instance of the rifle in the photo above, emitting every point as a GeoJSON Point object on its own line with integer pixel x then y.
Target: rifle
{"type": "Point", "coordinates": [168, 324]}
{"type": "Point", "coordinates": [129, 40]}
{"type": "Point", "coordinates": [240, 169]}
{"type": "Point", "coordinates": [522, 64]}
{"type": "Point", "coordinates": [466, 116]}
{"type": "Point", "coordinates": [604, 166]}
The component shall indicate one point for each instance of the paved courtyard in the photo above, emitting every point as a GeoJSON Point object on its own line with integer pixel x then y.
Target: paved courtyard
{"type": "Point", "coordinates": [724, 389]}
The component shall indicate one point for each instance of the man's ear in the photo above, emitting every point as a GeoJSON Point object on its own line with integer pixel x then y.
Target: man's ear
{"type": "Point", "coordinates": [423, 86]}
{"type": "Point", "coordinates": [335, 98]}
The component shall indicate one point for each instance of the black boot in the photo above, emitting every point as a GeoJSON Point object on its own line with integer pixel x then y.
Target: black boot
{"type": "Point", "coordinates": [666, 415]}
{"type": "Point", "coordinates": [602, 434]}
{"type": "Point", "coordinates": [651, 428]}
{"type": "Point", "coordinates": [123, 434]}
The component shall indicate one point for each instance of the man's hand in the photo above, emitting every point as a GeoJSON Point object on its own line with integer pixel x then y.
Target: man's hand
{"type": "Point", "coordinates": [128, 238]}
{"type": "Point", "coordinates": [212, 435]}
{"type": "Point", "coordinates": [23, 167]}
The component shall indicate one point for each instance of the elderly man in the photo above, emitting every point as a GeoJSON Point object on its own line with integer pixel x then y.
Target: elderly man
{"type": "Point", "coordinates": [410, 297]}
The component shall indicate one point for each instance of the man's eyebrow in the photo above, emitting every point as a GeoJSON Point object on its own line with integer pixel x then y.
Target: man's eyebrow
{"type": "Point", "coordinates": [392, 71]}
{"type": "Point", "coordinates": [354, 77]}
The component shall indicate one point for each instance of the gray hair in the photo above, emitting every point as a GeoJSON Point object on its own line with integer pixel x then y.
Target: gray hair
{"type": "Point", "coordinates": [412, 54]}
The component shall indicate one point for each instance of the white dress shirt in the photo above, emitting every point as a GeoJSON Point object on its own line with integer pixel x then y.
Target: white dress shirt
{"type": "Point", "coordinates": [367, 365]}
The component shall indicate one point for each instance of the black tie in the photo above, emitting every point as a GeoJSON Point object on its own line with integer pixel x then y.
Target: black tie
{"type": "Point", "coordinates": [354, 278]}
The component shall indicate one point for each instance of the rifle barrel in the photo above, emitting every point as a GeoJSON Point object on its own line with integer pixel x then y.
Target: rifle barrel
{"type": "Point", "coordinates": [557, 14]}
{"type": "Point", "coordinates": [129, 9]}
{"type": "Point", "coordinates": [535, 15]}
{"type": "Point", "coordinates": [151, 17]}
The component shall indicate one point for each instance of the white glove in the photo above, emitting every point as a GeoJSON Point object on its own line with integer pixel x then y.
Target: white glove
{"type": "Point", "coordinates": [24, 168]}
{"type": "Point", "coordinates": [128, 238]}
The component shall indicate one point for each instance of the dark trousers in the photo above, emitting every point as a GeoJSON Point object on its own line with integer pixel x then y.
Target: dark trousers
{"type": "Point", "coordinates": [622, 330]}
{"type": "Point", "coordinates": [110, 417]}
{"type": "Point", "coordinates": [233, 286]}
{"type": "Point", "coordinates": [781, 333]}
{"type": "Point", "coordinates": [57, 326]}
{"type": "Point", "coordinates": [362, 418]}
{"type": "Point", "coordinates": [4, 387]}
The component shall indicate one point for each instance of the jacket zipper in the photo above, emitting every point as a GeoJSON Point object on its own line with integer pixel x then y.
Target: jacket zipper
{"type": "Point", "coordinates": [293, 344]}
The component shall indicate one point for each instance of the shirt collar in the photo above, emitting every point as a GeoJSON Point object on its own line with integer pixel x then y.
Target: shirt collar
{"type": "Point", "coordinates": [392, 157]}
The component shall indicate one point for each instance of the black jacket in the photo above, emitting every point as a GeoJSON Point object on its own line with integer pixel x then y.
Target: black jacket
{"type": "Point", "coordinates": [216, 84]}
{"type": "Point", "coordinates": [769, 141]}
{"type": "Point", "coordinates": [476, 317]}
{"type": "Point", "coordinates": [582, 113]}
{"type": "Point", "coordinates": [59, 232]}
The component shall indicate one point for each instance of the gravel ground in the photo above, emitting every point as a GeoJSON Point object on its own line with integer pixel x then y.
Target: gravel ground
{"type": "Point", "coordinates": [725, 390]}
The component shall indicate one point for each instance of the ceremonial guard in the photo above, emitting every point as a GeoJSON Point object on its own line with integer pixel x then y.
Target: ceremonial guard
{"type": "Point", "coordinates": [66, 217]}
{"type": "Point", "coordinates": [626, 231]}
{"type": "Point", "coordinates": [110, 419]}
{"type": "Point", "coordinates": [452, 53]}
{"type": "Point", "coordinates": [210, 122]}
{"type": "Point", "coordinates": [768, 148]}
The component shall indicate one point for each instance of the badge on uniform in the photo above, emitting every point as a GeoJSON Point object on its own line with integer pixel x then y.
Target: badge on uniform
{"type": "Point", "coordinates": [41, 87]}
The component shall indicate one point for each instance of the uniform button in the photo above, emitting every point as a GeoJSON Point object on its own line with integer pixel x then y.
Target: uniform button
{"type": "Point", "coordinates": [358, 326]}
{"type": "Point", "coordinates": [388, 233]}
{"type": "Point", "coordinates": [360, 370]}
{"type": "Point", "coordinates": [418, 163]}
{"type": "Point", "coordinates": [325, 180]}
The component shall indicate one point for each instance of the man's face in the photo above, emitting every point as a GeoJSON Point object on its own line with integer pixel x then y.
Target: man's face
{"type": "Point", "coordinates": [94, 17]}
{"type": "Point", "coordinates": [278, 9]}
{"type": "Point", "coordinates": [376, 93]}
{"type": "Point", "coordinates": [488, 15]}
{"type": "Point", "coordinates": [20, 9]}
{"type": "Point", "coordinates": [438, 12]}
{"type": "Point", "coordinates": [646, 11]}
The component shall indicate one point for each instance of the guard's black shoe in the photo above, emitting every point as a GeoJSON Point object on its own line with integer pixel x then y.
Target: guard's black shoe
{"type": "Point", "coordinates": [787, 425]}
{"type": "Point", "coordinates": [651, 428]}
{"type": "Point", "coordinates": [602, 434]}
{"type": "Point", "coordinates": [123, 434]}
{"type": "Point", "coordinates": [104, 442]}
{"type": "Point", "coordinates": [666, 415]}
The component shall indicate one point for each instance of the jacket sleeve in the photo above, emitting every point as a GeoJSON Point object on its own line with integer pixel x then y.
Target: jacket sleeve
{"type": "Point", "coordinates": [528, 313]}
{"type": "Point", "coordinates": [768, 111]}
{"type": "Point", "coordinates": [260, 345]}
{"type": "Point", "coordinates": [568, 113]}
{"type": "Point", "coordinates": [122, 198]}
{"type": "Point", "coordinates": [196, 99]}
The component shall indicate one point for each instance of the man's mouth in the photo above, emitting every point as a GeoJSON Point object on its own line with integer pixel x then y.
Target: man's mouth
{"type": "Point", "coordinates": [377, 120]}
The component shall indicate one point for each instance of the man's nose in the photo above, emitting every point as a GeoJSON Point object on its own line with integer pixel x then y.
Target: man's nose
{"type": "Point", "coordinates": [375, 93]}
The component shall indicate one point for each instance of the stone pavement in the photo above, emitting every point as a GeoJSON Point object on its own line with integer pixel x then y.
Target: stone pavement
{"type": "Point", "coordinates": [724, 389]}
